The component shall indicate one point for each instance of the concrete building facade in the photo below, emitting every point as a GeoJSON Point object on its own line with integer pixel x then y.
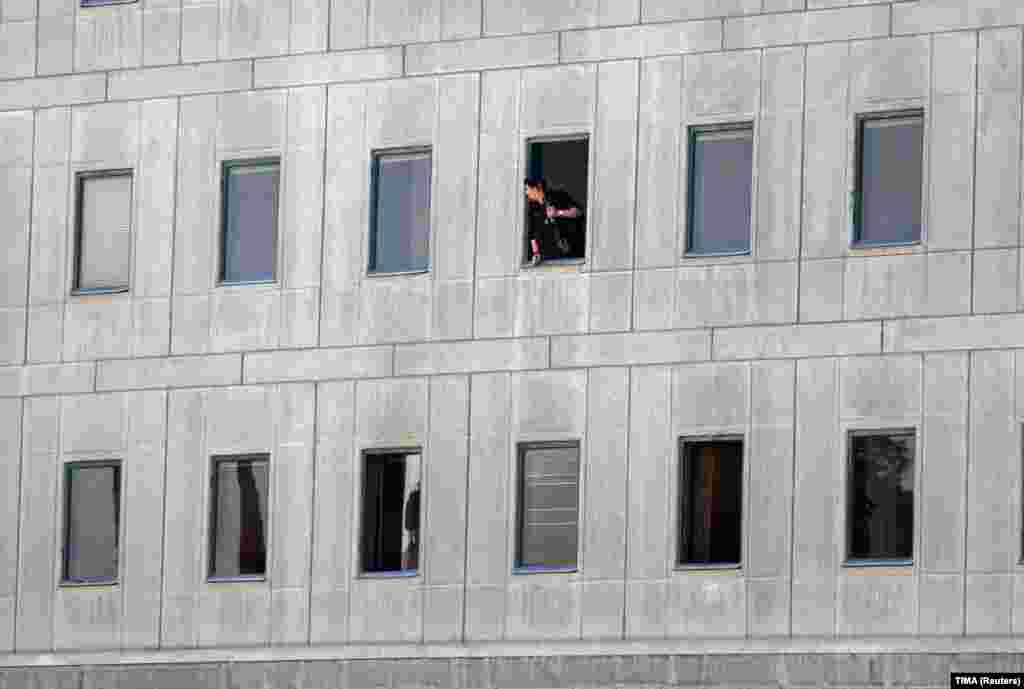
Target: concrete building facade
{"type": "Point", "coordinates": [790, 347]}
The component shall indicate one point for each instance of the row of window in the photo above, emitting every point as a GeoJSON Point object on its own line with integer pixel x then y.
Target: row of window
{"type": "Point", "coordinates": [886, 204]}
{"type": "Point", "coordinates": [879, 519]}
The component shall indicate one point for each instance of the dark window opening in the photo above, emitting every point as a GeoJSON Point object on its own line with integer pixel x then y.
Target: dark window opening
{"type": "Point", "coordinates": [391, 513]}
{"type": "Point", "coordinates": [881, 496]}
{"type": "Point", "coordinates": [887, 200]}
{"type": "Point", "coordinates": [556, 199]}
{"type": "Point", "coordinates": [548, 506]}
{"type": "Point", "coordinates": [238, 520]}
{"type": "Point", "coordinates": [103, 231]}
{"type": "Point", "coordinates": [249, 239]}
{"type": "Point", "coordinates": [400, 222]}
{"type": "Point", "coordinates": [721, 170]}
{"type": "Point", "coordinates": [710, 496]}
{"type": "Point", "coordinates": [92, 518]}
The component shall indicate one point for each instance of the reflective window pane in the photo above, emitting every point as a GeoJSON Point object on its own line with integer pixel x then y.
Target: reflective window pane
{"type": "Point", "coordinates": [710, 492]}
{"type": "Point", "coordinates": [881, 496]}
{"type": "Point", "coordinates": [238, 541]}
{"type": "Point", "coordinates": [720, 197]}
{"type": "Point", "coordinates": [391, 513]}
{"type": "Point", "coordinates": [104, 230]}
{"type": "Point", "coordinates": [92, 518]}
{"type": "Point", "coordinates": [400, 235]}
{"type": "Point", "coordinates": [890, 180]}
{"type": "Point", "coordinates": [548, 506]}
{"type": "Point", "coordinates": [250, 221]}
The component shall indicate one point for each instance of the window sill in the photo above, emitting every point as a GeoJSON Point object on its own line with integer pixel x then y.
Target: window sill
{"type": "Point", "coordinates": [246, 283]}
{"type": "Point", "coordinates": [397, 273]}
{"type": "Point", "coordinates": [403, 574]}
{"type": "Point", "coordinates": [85, 584]}
{"type": "Point", "coordinates": [693, 255]}
{"type": "Point", "coordinates": [710, 568]}
{"type": "Point", "coordinates": [540, 569]}
{"type": "Point", "coordinates": [99, 291]}
{"type": "Point", "coordinates": [878, 567]}
{"type": "Point", "coordinates": [249, 579]}
{"type": "Point", "coordinates": [556, 265]}
{"type": "Point", "coordinates": [885, 249]}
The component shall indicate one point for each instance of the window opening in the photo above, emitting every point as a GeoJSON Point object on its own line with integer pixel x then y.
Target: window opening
{"type": "Point", "coordinates": [887, 200]}
{"type": "Point", "coordinates": [880, 493]}
{"type": "Point", "coordinates": [556, 198]}
{"type": "Point", "coordinates": [548, 506]}
{"type": "Point", "coordinates": [391, 513]}
{"type": "Point", "coordinates": [238, 519]}
{"type": "Point", "coordinates": [400, 223]}
{"type": "Point", "coordinates": [710, 496]}
{"type": "Point", "coordinates": [249, 238]}
{"type": "Point", "coordinates": [92, 520]}
{"type": "Point", "coordinates": [721, 170]}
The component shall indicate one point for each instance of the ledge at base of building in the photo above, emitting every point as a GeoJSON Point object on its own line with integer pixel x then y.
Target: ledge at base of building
{"type": "Point", "coordinates": [722, 668]}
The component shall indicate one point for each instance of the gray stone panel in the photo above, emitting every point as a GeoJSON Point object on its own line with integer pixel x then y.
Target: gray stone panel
{"type": "Point", "coordinates": [303, 70]}
{"type": "Point", "coordinates": [811, 27]}
{"type": "Point", "coordinates": [630, 349]}
{"type": "Point", "coordinates": [315, 365]}
{"type": "Point", "coordinates": [640, 41]}
{"type": "Point", "coordinates": [161, 82]}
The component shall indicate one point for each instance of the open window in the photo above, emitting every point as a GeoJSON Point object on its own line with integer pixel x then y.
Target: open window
{"type": "Point", "coordinates": [710, 502]}
{"type": "Point", "coordinates": [390, 539]}
{"type": "Point", "coordinates": [238, 517]}
{"type": "Point", "coordinates": [555, 216]}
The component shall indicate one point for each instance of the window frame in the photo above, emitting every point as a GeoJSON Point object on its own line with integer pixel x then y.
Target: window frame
{"type": "Point", "coordinates": [361, 571]}
{"type": "Point", "coordinates": [397, 152]}
{"type": "Point", "coordinates": [692, 132]}
{"type": "Point", "coordinates": [524, 220]}
{"type": "Point", "coordinates": [857, 195]}
{"type": "Point", "coordinates": [65, 580]}
{"type": "Point", "coordinates": [520, 514]}
{"type": "Point", "coordinates": [853, 563]}
{"type": "Point", "coordinates": [226, 167]}
{"type": "Point", "coordinates": [84, 4]}
{"type": "Point", "coordinates": [681, 500]}
{"type": "Point", "coordinates": [211, 539]}
{"type": "Point", "coordinates": [81, 178]}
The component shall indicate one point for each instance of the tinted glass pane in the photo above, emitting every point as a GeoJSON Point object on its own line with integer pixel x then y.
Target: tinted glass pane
{"type": "Point", "coordinates": [250, 229]}
{"type": "Point", "coordinates": [91, 533]}
{"type": "Point", "coordinates": [391, 513]}
{"type": "Point", "coordinates": [239, 536]}
{"type": "Point", "coordinates": [890, 180]}
{"type": "Point", "coordinates": [105, 232]}
{"type": "Point", "coordinates": [881, 494]}
{"type": "Point", "coordinates": [710, 492]}
{"type": "Point", "coordinates": [549, 507]}
{"type": "Point", "coordinates": [720, 191]}
{"type": "Point", "coordinates": [400, 239]}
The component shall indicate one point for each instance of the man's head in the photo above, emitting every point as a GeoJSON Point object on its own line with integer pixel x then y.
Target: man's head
{"type": "Point", "coordinates": [535, 188]}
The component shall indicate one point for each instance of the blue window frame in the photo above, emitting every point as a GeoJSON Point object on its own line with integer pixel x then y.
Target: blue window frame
{"type": "Point", "coordinates": [548, 507]}
{"type": "Point", "coordinates": [400, 217]}
{"type": "Point", "coordinates": [720, 181]}
{"type": "Point", "coordinates": [92, 522]}
{"type": "Point", "coordinates": [250, 208]}
{"type": "Point", "coordinates": [887, 199]}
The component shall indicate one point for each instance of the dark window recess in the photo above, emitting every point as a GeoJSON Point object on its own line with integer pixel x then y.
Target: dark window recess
{"type": "Point", "coordinates": [887, 202]}
{"type": "Point", "coordinates": [92, 517]}
{"type": "Point", "coordinates": [563, 167]}
{"type": "Point", "coordinates": [238, 521]}
{"type": "Point", "coordinates": [103, 231]}
{"type": "Point", "coordinates": [548, 507]}
{"type": "Point", "coordinates": [391, 513]}
{"type": "Point", "coordinates": [721, 160]}
{"type": "Point", "coordinates": [710, 496]}
{"type": "Point", "coordinates": [881, 496]}
{"type": "Point", "coordinates": [400, 223]}
{"type": "Point", "coordinates": [249, 246]}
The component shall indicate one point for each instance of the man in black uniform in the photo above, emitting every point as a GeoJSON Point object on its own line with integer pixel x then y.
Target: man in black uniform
{"type": "Point", "coordinates": [554, 221]}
